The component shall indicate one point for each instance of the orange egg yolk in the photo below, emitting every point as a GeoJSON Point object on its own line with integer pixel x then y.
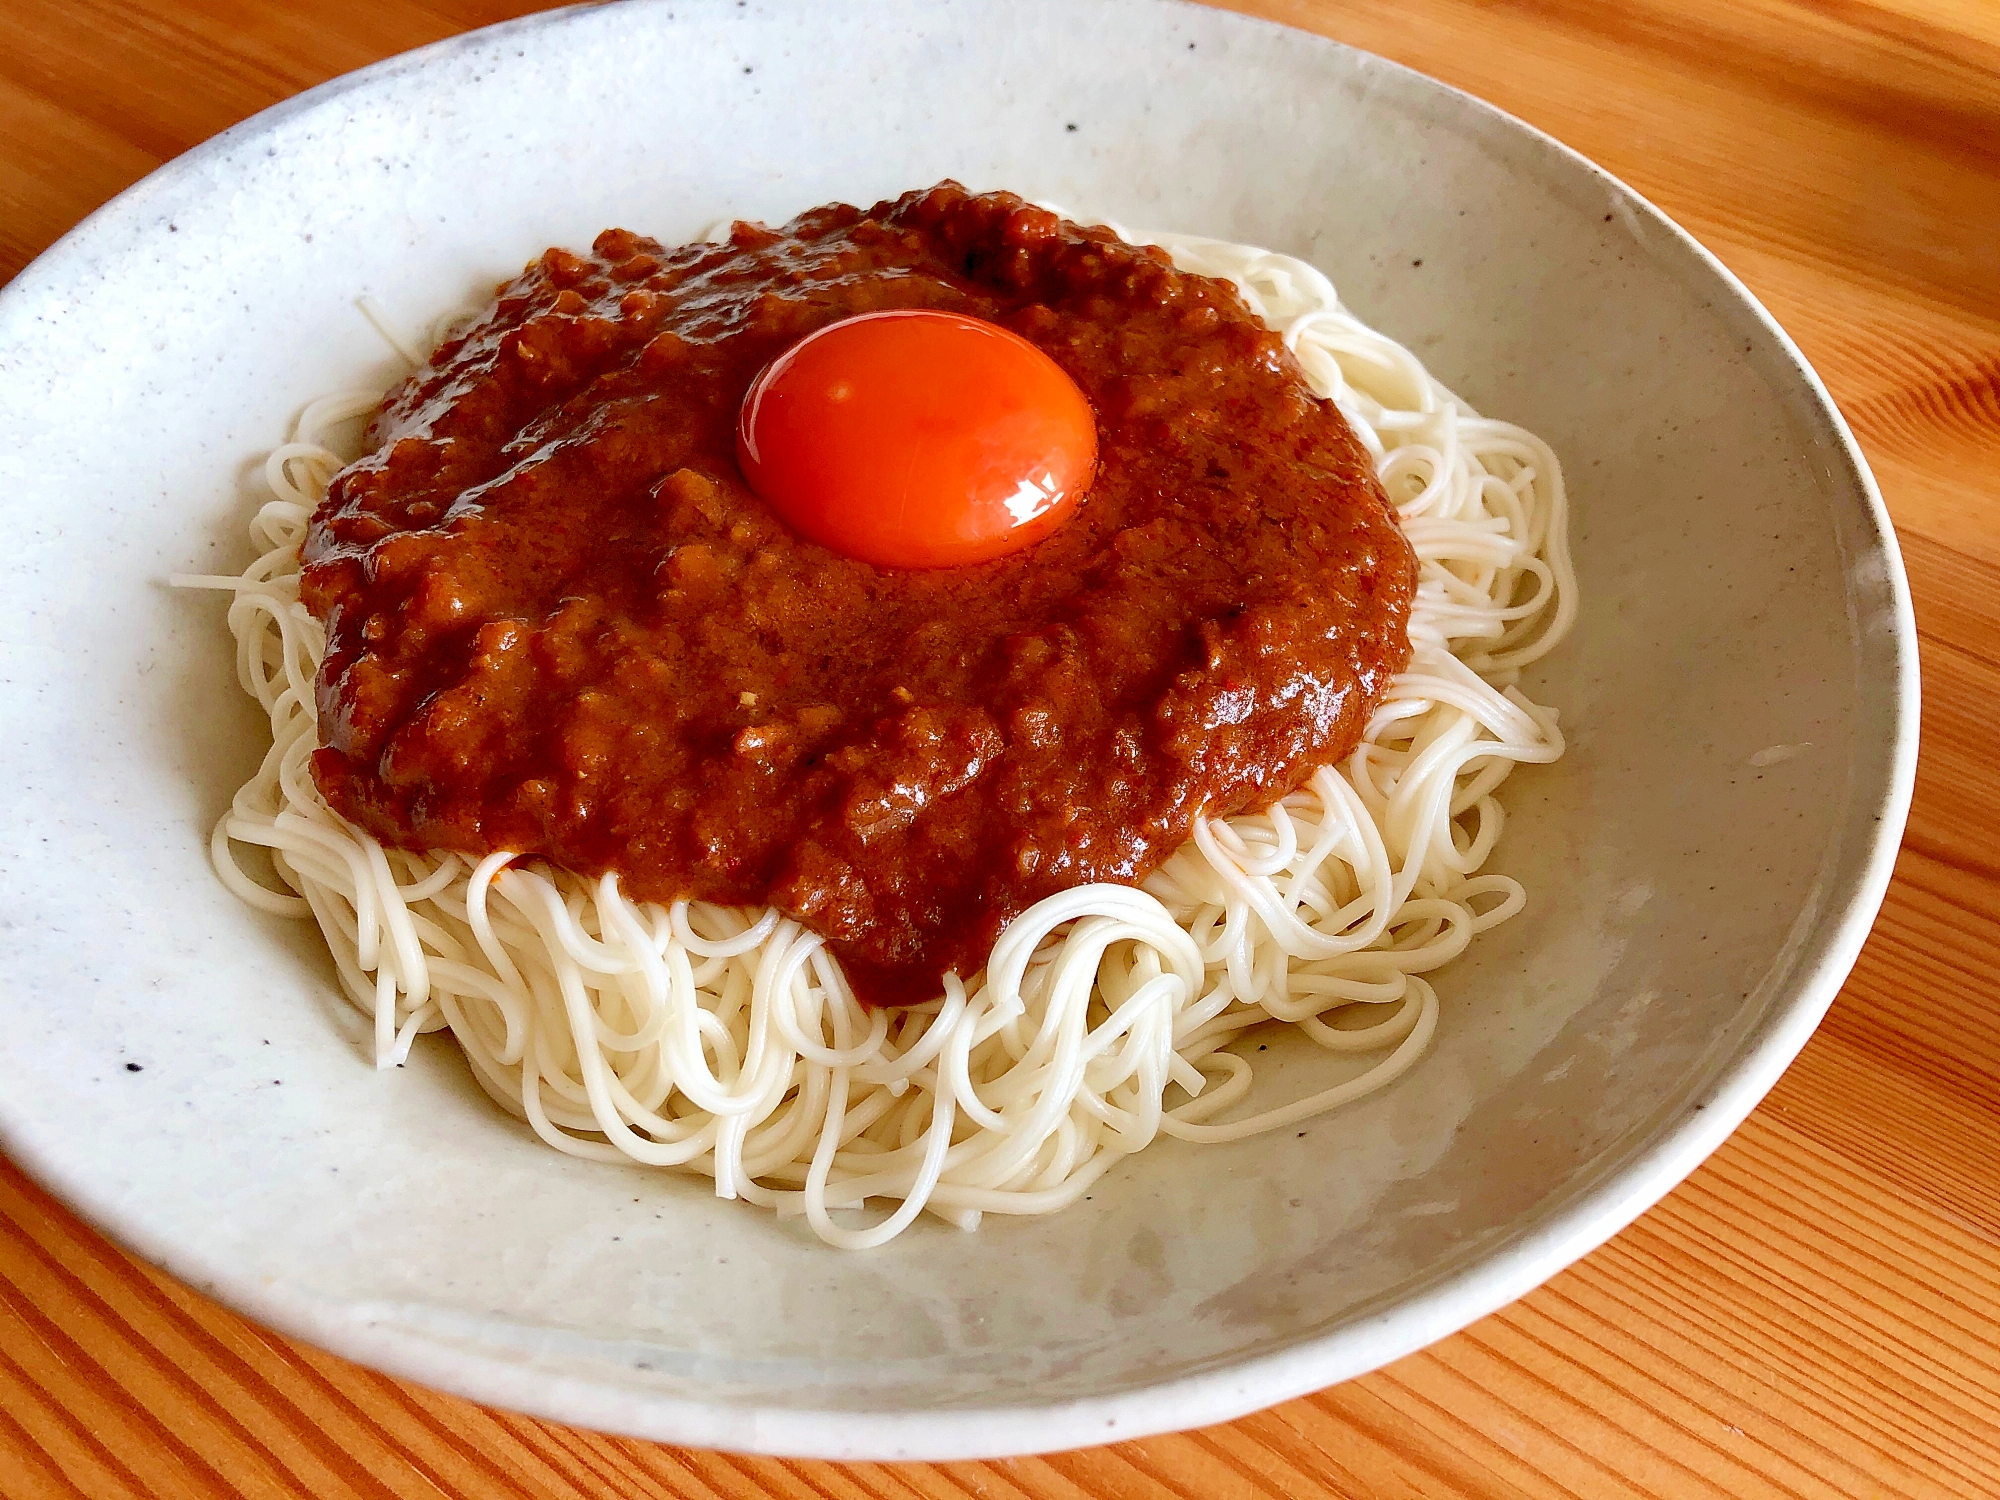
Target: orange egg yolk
{"type": "Point", "coordinates": [917, 439]}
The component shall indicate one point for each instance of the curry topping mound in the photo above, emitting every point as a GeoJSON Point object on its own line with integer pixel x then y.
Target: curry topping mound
{"type": "Point", "coordinates": [559, 623]}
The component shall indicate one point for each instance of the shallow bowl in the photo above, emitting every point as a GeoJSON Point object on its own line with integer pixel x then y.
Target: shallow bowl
{"type": "Point", "coordinates": [1702, 867]}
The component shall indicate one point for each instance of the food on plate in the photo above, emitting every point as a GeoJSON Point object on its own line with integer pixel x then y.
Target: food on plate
{"type": "Point", "coordinates": [608, 735]}
{"type": "Point", "coordinates": [560, 622]}
{"type": "Point", "coordinates": [915, 438]}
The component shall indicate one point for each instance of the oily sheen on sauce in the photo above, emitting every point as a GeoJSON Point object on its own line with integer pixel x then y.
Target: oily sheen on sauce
{"type": "Point", "coordinates": [560, 623]}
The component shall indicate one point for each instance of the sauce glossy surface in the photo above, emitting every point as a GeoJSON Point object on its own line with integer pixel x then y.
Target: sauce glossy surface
{"type": "Point", "coordinates": [561, 623]}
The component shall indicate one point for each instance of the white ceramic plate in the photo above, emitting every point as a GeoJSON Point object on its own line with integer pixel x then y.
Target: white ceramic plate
{"type": "Point", "coordinates": [1697, 895]}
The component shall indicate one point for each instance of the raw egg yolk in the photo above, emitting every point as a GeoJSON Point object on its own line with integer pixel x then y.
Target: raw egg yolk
{"type": "Point", "coordinates": [917, 439]}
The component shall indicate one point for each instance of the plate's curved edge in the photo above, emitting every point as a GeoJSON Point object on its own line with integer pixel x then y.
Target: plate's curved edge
{"type": "Point", "coordinates": [1829, 945]}
{"type": "Point", "coordinates": [170, 173]}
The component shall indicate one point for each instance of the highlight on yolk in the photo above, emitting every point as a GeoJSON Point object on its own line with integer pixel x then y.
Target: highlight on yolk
{"type": "Point", "coordinates": [917, 439]}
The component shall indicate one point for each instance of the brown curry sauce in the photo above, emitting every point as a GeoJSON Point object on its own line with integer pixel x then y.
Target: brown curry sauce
{"type": "Point", "coordinates": [560, 624]}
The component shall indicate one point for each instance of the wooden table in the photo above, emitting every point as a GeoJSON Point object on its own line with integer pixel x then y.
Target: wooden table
{"type": "Point", "coordinates": [1815, 1312]}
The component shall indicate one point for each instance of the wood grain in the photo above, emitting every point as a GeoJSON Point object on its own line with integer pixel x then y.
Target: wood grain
{"type": "Point", "coordinates": [1816, 1312]}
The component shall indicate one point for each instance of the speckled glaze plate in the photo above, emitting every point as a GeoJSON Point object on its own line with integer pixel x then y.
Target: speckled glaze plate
{"type": "Point", "coordinates": [1702, 867]}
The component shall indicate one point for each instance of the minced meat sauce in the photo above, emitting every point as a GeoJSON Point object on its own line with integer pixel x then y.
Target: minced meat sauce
{"type": "Point", "coordinates": [560, 624]}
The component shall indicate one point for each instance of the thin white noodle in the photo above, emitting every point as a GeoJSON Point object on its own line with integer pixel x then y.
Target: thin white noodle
{"type": "Point", "coordinates": [725, 1042]}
